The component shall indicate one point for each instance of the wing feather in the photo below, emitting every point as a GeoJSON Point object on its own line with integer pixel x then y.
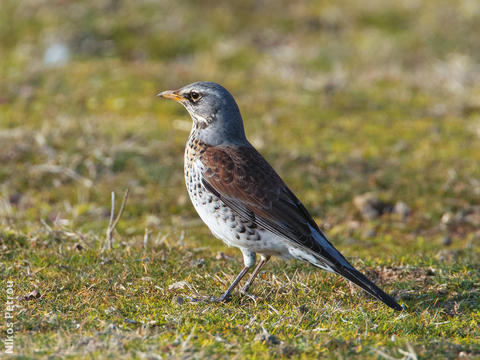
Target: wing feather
{"type": "Point", "coordinates": [243, 180]}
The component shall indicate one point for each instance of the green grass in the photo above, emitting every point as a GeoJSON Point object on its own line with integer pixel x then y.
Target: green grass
{"type": "Point", "coordinates": [342, 98]}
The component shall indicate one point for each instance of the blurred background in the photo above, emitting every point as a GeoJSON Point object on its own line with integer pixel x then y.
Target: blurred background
{"type": "Point", "coordinates": [369, 110]}
{"type": "Point", "coordinates": [343, 97]}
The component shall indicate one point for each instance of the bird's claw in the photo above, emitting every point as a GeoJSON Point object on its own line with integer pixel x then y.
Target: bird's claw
{"type": "Point", "coordinates": [194, 299]}
{"type": "Point", "coordinates": [220, 299]}
{"type": "Point", "coordinates": [209, 299]}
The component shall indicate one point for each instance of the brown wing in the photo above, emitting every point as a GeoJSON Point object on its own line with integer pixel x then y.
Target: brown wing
{"type": "Point", "coordinates": [243, 180]}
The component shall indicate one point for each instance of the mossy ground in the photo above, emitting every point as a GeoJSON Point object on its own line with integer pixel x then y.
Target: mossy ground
{"type": "Point", "coordinates": [342, 97]}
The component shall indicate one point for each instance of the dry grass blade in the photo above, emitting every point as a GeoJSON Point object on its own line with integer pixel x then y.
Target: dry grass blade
{"type": "Point", "coordinates": [114, 220]}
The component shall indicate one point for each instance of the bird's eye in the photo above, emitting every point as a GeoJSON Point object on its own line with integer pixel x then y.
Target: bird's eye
{"type": "Point", "coordinates": [195, 96]}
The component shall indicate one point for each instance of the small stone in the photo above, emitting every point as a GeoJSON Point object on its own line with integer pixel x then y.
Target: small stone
{"type": "Point", "coordinates": [267, 338]}
{"type": "Point", "coordinates": [35, 294]}
{"type": "Point", "coordinates": [272, 339]}
{"type": "Point", "coordinates": [110, 310]}
{"type": "Point", "coordinates": [370, 206]}
{"type": "Point", "coordinates": [447, 240]}
{"type": "Point", "coordinates": [179, 300]}
{"type": "Point", "coordinates": [447, 218]}
{"type": "Point", "coordinates": [200, 263]}
{"type": "Point", "coordinates": [402, 209]}
{"type": "Point", "coordinates": [15, 198]}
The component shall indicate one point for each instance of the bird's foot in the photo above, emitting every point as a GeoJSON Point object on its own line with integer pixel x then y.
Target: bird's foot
{"type": "Point", "coordinates": [220, 299]}
{"type": "Point", "coordinates": [209, 299]}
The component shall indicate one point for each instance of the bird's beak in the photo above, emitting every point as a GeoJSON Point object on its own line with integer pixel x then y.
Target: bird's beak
{"type": "Point", "coordinates": [171, 94]}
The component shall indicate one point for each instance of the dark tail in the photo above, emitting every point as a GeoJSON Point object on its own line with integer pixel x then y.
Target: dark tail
{"type": "Point", "coordinates": [361, 280]}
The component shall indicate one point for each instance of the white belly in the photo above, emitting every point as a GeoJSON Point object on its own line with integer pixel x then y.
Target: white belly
{"type": "Point", "coordinates": [234, 231]}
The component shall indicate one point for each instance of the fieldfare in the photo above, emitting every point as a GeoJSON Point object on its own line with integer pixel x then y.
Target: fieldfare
{"type": "Point", "coordinates": [241, 198]}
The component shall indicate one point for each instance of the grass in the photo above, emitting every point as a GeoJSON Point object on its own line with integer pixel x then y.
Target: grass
{"type": "Point", "coordinates": [342, 98]}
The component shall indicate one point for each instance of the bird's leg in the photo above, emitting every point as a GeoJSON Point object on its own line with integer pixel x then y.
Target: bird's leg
{"type": "Point", "coordinates": [249, 261]}
{"type": "Point", "coordinates": [262, 262]}
{"type": "Point", "coordinates": [226, 295]}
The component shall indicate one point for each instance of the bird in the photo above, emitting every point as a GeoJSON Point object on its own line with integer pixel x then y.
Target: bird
{"type": "Point", "coordinates": [242, 199]}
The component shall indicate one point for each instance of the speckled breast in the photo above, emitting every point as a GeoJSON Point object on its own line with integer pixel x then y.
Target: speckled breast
{"type": "Point", "coordinates": [220, 219]}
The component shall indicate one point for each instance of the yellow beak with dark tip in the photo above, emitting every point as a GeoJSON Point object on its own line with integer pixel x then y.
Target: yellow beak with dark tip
{"type": "Point", "coordinates": [171, 94]}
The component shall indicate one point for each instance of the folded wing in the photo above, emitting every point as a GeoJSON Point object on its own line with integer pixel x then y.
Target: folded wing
{"type": "Point", "coordinates": [245, 182]}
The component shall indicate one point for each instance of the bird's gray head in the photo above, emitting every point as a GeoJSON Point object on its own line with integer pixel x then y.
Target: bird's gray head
{"type": "Point", "coordinates": [215, 114]}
